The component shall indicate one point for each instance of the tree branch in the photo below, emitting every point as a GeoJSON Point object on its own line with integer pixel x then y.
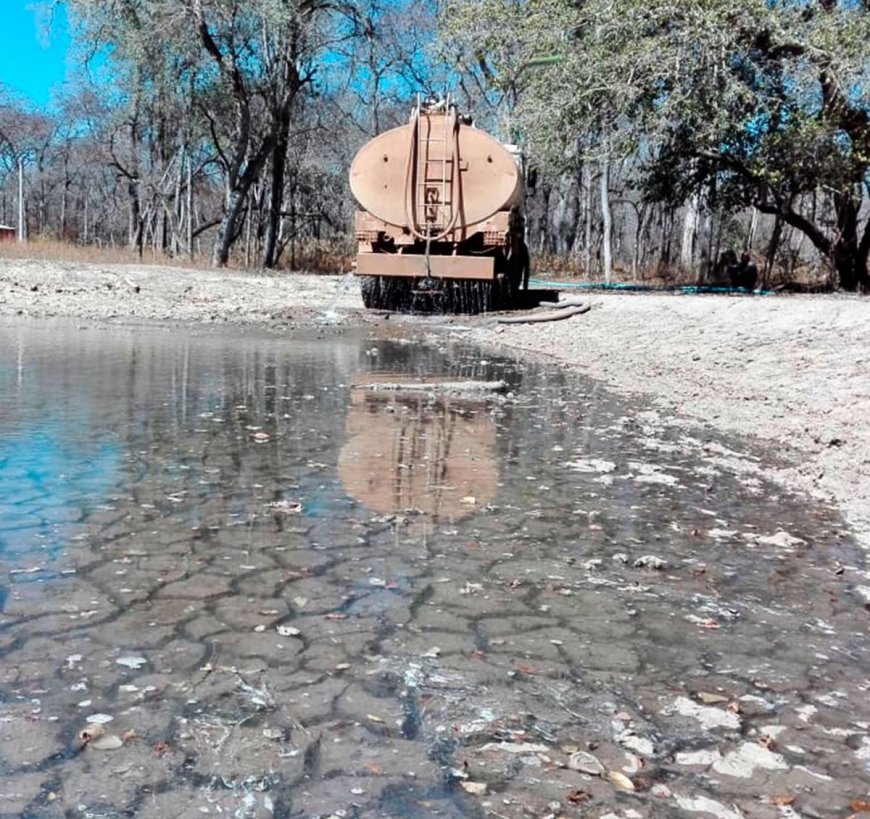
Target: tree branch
{"type": "Point", "coordinates": [797, 220]}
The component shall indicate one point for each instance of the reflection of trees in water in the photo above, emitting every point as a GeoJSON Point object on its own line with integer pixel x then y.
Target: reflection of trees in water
{"type": "Point", "coordinates": [182, 410]}
{"type": "Point", "coordinates": [421, 452]}
{"type": "Point", "coordinates": [428, 453]}
{"type": "Point", "coordinates": [241, 421]}
{"type": "Point", "coordinates": [455, 361]}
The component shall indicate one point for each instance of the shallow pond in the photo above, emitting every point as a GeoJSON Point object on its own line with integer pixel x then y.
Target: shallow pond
{"type": "Point", "coordinates": [345, 577]}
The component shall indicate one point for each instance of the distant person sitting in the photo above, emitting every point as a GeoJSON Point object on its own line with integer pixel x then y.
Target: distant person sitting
{"type": "Point", "coordinates": [726, 266]}
{"type": "Point", "coordinates": [744, 274]}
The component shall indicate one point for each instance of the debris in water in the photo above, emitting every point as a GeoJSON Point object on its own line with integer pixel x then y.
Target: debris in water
{"type": "Point", "coordinates": [781, 540]}
{"type": "Point", "coordinates": [474, 788]}
{"type": "Point", "coordinates": [89, 733]}
{"type": "Point", "coordinates": [437, 388]}
{"type": "Point", "coordinates": [620, 781]}
{"type": "Point", "coordinates": [286, 507]}
{"type": "Point", "coordinates": [703, 622]}
{"type": "Point", "coordinates": [711, 699]}
{"type": "Point", "coordinates": [131, 662]}
{"type": "Point", "coordinates": [585, 763]}
{"type": "Point", "coordinates": [650, 562]}
{"type": "Point", "coordinates": [516, 747]}
{"type": "Point", "coordinates": [703, 804]}
{"type": "Point", "coordinates": [707, 715]}
{"type": "Point", "coordinates": [591, 465]}
{"type": "Point", "coordinates": [110, 742]}
{"type": "Point", "coordinates": [742, 762]}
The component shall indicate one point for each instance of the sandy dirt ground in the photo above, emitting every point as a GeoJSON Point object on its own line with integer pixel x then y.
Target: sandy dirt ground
{"type": "Point", "coordinates": [789, 370]}
{"type": "Point", "coordinates": [793, 371]}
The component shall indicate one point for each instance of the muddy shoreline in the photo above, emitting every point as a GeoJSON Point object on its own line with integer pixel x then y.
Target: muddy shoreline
{"type": "Point", "coordinates": [791, 371]}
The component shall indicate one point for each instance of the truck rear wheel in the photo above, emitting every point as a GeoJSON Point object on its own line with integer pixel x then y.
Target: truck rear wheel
{"type": "Point", "coordinates": [469, 296]}
{"type": "Point", "coordinates": [478, 296]}
{"type": "Point", "coordinates": [370, 287]}
{"type": "Point", "coordinates": [386, 292]}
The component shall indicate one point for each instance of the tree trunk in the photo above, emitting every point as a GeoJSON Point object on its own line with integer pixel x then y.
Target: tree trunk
{"type": "Point", "coordinates": [276, 192]}
{"type": "Point", "coordinates": [249, 221]}
{"type": "Point", "coordinates": [690, 233]}
{"type": "Point", "coordinates": [753, 229]}
{"type": "Point", "coordinates": [706, 247]}
{"type": "Point", "coordinates": [22, 222]}
{"type": "Point", "coordinates": [772, 250]}
{"type": "Point", "coordinates": [227, 231]}
{"type": "Point", "coordinates": [293, 225]}
{"type": "Point", "coordinates": [606, 224]}
{"type": "Point", "coordinates": [190, 251]}
{"type": "Point", "coordinates": [850, 256]}
{"type": "Point", "coordinates": [845, 253]}
{"type": "Point", "coordinates": [63, 199]}
{"type": "Point", "coordinates": [639, 257]}
{"type": "Point", "coordinates": [851, 269]}
{"type": "Point", "coordinates": [587, 221]}
{"type": "Point", "coordinates": [712, 248]}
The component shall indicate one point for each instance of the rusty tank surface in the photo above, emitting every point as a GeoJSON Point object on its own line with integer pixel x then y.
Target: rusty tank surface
{"type": "Point", "coordinates": [440, 225]}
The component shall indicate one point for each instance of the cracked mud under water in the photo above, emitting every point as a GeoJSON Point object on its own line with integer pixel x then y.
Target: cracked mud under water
{"type": "Point", "coordinates": [283, 587]}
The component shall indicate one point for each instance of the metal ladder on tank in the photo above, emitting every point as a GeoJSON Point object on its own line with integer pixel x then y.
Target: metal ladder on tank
{"type": "Point", "coordinates": [447, 183]}
{"type": "Point", "coordinates": [429, 222]}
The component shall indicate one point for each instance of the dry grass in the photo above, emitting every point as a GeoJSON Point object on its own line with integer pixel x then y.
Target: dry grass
{"type": "Point", "coordinates": [315, 256]}
{"type": "Point", "coordinates": [335, 256]}
{"type": "Point", "coordinates": [802, 279]}
{"type": "Point", "coordinates": [571, 268]}
{"type": "Point", "coordinates": [54, 250]}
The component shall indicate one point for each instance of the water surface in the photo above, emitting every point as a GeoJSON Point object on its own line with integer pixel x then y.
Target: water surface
{"type": "Point", "coordinates": [297, 592]}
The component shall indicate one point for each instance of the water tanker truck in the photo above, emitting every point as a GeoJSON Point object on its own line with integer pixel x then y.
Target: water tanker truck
{"type": "Point", "coordinates": [440, 225]}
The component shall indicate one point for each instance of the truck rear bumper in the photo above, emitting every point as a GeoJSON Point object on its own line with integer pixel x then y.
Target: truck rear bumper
{"type": "Point", "coordinates": [440, 267]}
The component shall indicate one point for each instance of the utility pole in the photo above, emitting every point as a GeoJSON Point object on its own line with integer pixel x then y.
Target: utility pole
{"type": "Point", "coordinates": [19, 157]}
{"type": "Point", "coordinates": [22, 232]}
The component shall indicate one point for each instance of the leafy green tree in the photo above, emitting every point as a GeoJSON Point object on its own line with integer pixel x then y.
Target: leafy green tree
{"type": "Point", "coordinates": [238, 68]}
{"type": "Point", "coordinates": [767, 100]}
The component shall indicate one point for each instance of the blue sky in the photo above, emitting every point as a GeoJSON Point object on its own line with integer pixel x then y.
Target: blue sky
{"type": "Point", "coordinates": [32, 61]}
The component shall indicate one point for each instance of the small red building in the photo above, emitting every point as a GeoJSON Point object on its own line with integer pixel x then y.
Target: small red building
{"type": "Point", "coordinates": [7, 234]}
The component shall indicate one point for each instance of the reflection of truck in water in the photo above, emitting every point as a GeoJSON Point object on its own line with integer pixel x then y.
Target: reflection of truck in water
{"type": "Point", "coordinates": [418, 450]}
{"type": "Point", "coordinates": [441, 225]}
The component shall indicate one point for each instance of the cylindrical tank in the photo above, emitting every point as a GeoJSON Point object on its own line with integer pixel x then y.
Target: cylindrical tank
{"type": "Point", "coordinates": [489, 179]}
